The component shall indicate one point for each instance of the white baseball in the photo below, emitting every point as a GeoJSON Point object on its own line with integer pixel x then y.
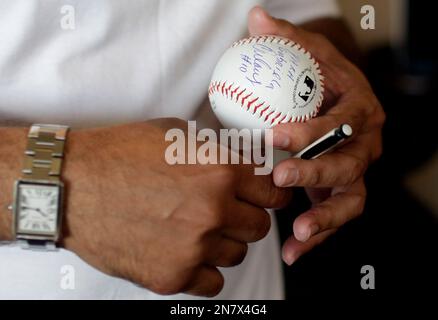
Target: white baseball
{"type": "Point", "coordinates": [263, 81]}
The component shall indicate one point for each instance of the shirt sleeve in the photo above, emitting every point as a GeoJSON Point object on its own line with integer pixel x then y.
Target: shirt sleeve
{"type": "Point", "coordinates": [300, 11]}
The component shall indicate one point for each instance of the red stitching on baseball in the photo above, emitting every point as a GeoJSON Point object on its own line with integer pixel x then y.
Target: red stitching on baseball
{"type": "Point", "coordinates": [267, 116]}
{"type": "Point", "coordinates": [228, 89]}
{"type": "Point", "coordinates": [261, 113]}
{"type": "Point", "coordinates": [239, 94]}
{"type": "Point", "coordinates": [220, 87]}
{"type": "Point", "coordinates": [281, 120]}
{"type": "Point", "coordinates": [211, 89]}
{"type": "Point", "coordinates": [258, 106]}
{"type": "Point", "coordinates": [251, 102]}
{"type": "Point", "coordinates": [223, 86]}
{"type": "Point", "coordinates": [278, 114]}
{"type": "Point", "coordinates": [234, 91]}
{"type": "Point", "coordinates": [244, 98]}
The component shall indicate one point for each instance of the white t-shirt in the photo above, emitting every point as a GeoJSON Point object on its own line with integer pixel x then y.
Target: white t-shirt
{"type": "Point", "coordinates": [125, 61]}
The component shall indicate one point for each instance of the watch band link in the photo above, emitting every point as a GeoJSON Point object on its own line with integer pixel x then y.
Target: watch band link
{"type": "Point", "coordinates": [44, 152]}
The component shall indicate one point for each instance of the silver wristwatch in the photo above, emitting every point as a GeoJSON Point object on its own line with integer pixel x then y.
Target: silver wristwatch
{"type": "Point", "coordinates": [38, 195]}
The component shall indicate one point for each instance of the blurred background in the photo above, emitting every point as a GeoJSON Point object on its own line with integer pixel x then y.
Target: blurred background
{"type": "Point", "coordinates": [398, 232]}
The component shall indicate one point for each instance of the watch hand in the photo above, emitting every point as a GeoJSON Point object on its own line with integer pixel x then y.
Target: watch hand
{"type": "Point", "coordinates": [27, 208]}
{"type": "Point", "coordinates": [35, 209]}
{"type": "Point", "coordinates": [42, 213]}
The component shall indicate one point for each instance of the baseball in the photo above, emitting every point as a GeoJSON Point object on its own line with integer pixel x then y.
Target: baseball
{"type": "Point", "coordinates": [262, 81]}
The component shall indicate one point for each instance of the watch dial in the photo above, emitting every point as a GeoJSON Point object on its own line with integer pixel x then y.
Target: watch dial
{"type": "Point", "coordinates": [38, 209]}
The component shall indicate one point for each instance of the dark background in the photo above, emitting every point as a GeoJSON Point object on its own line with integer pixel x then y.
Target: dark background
{"type": "Point", "coordinates": [397, 235]}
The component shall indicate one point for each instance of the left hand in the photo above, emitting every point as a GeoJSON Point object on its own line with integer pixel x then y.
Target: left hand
{"type": "Point", "coordinates": [333, 182]}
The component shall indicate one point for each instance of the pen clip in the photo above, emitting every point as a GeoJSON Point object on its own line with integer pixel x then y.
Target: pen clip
{"type": "Point", "coordinates": [326, 143]}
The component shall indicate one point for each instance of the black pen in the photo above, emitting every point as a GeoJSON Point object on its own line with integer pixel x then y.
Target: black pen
{"type": "Point", "coordinates": [326, 143]}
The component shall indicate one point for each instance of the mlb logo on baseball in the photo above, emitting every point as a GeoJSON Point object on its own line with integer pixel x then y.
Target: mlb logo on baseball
{"type": "Point", "coordinates": [262, 81]}
{"type": "Point", "coordinates": [305, 93]}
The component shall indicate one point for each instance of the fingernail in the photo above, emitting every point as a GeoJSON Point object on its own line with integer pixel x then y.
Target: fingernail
{"type": "Point", "coordinates": [266, 14]}
{"type": "Point", "coordinates": [289, 263]}
{"type": "Point", "coordinates": [288, 178]}
{"type": "Point", "coordinates": [280, 139]}
{"type": "Point", "coordinates": [262, 11]}
{"type": "Point", "coordinates": [314, 229]}
{"type": "Point", "coordinates": [289, 259]}
{"type": "Point", "coordinates": [305, 233]}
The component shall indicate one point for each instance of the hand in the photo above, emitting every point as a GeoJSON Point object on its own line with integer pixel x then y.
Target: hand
{"type": "Point", "coordinates": [167, 228]}
{"type": "Point", "coordinates": [333, 182]}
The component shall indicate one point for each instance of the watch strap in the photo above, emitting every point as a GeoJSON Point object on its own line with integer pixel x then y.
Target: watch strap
{"type": "Point", "coordinates": [44, 152]}
{"type": "Point", "coordinates": [37, 245]}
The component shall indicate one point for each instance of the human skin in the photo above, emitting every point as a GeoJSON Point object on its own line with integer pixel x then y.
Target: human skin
{"type": "Point", "coordinates": [131, 215]}
{"type": "Point", "coordinates": [333, 182]}
{"type": "Point", "coordinates": [190, 219]}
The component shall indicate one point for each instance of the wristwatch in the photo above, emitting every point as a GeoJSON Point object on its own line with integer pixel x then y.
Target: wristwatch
{"type": "Point", "coordinates": [38, 195]}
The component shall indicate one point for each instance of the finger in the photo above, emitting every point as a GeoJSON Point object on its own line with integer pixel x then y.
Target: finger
{"type": "Point", "coordinates": [261, 23]}
{"type": "Point", "coordinates": [295, 136]}
{"type": "Point", "coordinates": [207, 282]}
{"type": "Point", "coordinates": [339, 168]}
{"type": "Point", "coordinates": [331, 213]}
{"type": "Point", "coordinates": [227, 253]}
{"type": "Point", "coordinates": [246, 223]}
{"type": "Point", "coordinates": [317, 195]}
{"type": "Point", "coordinates": [260, 190]}
{"type": "Point", "coordinates": [293, 249]}
{"type": "Point", "coordinates": [336, 68]}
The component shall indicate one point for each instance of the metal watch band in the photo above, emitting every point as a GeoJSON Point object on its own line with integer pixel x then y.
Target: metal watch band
{"type": "Point", "coordinates": [44, 152]}
{"type": "Point", "coordinates": [43, 164]}
{"type": "Point", "coordinates": [37, 245]}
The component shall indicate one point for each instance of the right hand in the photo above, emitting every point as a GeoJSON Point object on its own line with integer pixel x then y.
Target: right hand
{"type": "Point", "coordinates": [166, 228]}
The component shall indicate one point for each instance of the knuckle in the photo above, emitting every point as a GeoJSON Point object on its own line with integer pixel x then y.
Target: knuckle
{"type": "Point", "coordinates": [381, 116]}
{"type": "Point", "coordinates": [167, 123]}
{"type": "Point", "coordinates": [302, 134]}
{"type": "Point", "coordinates": [374, 109]}
{"type": "Point", "coordinates": [240, 255]}
{"type": "Point", "coordinates": [262, 228]}
{"type": "Point", "coordinates": [223, 176]}
{"type": "Point", "coordinates": [232, 257]}
{"type": "Point", "coordinates": [216, 285]}
{"type": "Point", "coordinates": [315, 178]}
{"type": "Point", "coordinates": [195, 254]}
{"type": "Point", "coordinates": [168, 285]}
{"type": "Point", "coordinates": [226, 172]}
{"type": "Point", "coordinates": [359, 204]}
{"type": "Point", "coordinates": [378, 150]}
{"type": "Point", "coordinates": [281, 197]}
{"type": "Point", "coordinates": [321, 39]}
{"type": "Point", "coordinates": [212, 218]}
{"type": "Point", "coordinates": [177, 123]}
{"type": "Point", "coordinates": [358, 170]}
{"type": "Point", "coordinates": [215, 218]}
{"type": "Point", "coordinates": [278, 197]}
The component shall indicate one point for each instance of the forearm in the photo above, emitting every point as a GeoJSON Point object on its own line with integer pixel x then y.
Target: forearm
{"type": "Point", "coordinates": [12, 146]}
{"type": "Point", "coordinates": [13, 142]}
{"type": "Point", "coordinates": [339, 34]}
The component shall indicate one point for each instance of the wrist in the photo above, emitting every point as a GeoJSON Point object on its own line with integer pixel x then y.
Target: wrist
{"type": "Point", "coordinates": [6, 226]}
{"type": "Point", "coordinates": [79, 192]}
{"type": "Point", "coordinates": [12, 145]}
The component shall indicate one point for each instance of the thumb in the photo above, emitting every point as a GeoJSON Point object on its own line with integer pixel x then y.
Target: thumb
{"type": "Point", "coordinates": [261, 23]}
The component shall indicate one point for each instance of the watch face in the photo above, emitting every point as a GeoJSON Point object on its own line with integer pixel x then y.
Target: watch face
{"type": "Point", "coordinates": [37, 207]}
